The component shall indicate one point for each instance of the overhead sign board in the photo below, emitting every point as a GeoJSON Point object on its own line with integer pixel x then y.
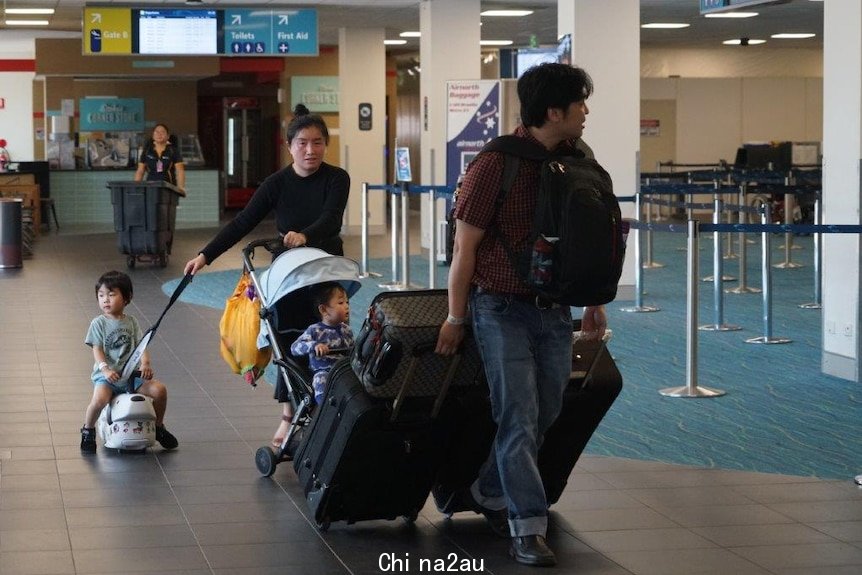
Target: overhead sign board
{"type": "Point", "coordinates": [707, 6]}
{"type": "Point", "coordinates": [177, 31]}
{"type": "Point", "coordinates": [107, 30]}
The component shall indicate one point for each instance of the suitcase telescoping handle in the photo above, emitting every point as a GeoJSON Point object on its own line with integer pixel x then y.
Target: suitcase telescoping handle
{"type": "Point", "coordinates": [416, 353]}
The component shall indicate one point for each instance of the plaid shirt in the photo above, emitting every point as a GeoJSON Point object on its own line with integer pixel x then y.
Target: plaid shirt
{"type": "Point", "coordinates": [475, 205]}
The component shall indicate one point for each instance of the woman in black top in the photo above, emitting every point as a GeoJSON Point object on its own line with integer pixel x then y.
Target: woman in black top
{"type": "Point", "coordinates": [308, 198]}
{"type": "Point", "coordinates": [161, 160]}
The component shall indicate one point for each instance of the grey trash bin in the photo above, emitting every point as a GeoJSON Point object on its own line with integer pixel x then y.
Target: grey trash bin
{"type": "Point", "coordinates": [10, 233]}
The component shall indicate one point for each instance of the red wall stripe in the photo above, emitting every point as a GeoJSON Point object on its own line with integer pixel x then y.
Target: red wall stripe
{"type": "Point", "coordinates": [18, 65]}
{"type": "Point", "coordinates": [38, 114]}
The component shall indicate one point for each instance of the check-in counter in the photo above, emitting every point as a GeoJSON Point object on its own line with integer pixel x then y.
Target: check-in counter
{"type": "Point", "coordinates": [82, 197]}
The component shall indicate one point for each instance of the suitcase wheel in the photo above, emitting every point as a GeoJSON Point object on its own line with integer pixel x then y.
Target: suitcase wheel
{"type": "Point", "coordinates": [130, 262]}
{"type": "Point", "coordinates": [412, 517]}
{"type": "Point", "coordinates": [323, 524]}
{"type": "Point", "coordinates": [265, 460]}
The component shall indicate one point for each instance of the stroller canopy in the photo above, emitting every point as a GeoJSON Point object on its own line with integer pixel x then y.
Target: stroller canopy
{"type": "Point", "coordinates": [301, 267]}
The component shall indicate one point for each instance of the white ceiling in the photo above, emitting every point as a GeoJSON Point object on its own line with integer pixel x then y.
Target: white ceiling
{"type": "Point", "coordinates": [400, 15]}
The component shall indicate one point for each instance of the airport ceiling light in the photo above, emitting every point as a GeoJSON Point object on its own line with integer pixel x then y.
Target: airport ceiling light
{"type": "Point", "coordinates": [793, 35]}
{"type": "Point", "coordinates": [394, 42]}
{"type": "Point", "coordinates": [665, 25]}
{"type": "Point", "coordinates": [495, 42]}
{"type": "Point", "coordinates": [732, 15]}
{"type": "Point", "coordinates": [744, 42]}
{"type": "Point", "coordinates": [410, 34]}
{"type": "Point", "coordinates": [510, 13]}
{"type": "Point", "coordinates": [29, 11]}
{"type": "Point", "coordinates": [25, 22]}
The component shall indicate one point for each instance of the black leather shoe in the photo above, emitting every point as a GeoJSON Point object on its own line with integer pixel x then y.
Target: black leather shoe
{"type": "Point", "coordinates": [532, 550]}
{"type": "Point", "coordinates": [498, 520]}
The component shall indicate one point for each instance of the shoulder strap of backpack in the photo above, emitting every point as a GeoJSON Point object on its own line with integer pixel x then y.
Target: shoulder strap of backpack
{"type": "Point", "coordinates": [513, 148]}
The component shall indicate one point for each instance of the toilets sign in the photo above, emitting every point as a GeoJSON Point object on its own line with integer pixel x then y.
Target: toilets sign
{"type": "Point", "coordinates": [270, 32]}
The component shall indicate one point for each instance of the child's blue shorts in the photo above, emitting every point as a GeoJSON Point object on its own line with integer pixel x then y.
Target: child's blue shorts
{"type": "Point", "coordinates": [117, 389]}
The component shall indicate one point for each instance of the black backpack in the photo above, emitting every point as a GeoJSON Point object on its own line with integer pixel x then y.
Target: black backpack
{"type": "Point", "coordinates": [574, 255]}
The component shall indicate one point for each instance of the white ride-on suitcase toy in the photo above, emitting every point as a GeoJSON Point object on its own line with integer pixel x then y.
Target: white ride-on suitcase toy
{"type": "Point", "coordinates": [128, 422]}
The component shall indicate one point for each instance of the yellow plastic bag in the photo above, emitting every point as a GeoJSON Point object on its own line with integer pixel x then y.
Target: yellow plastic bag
{"type": "Point", "coordinates": [239, 328]}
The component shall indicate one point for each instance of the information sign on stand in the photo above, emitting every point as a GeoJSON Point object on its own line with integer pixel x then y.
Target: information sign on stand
{"type": "Point", "coordinates": [402, 165]}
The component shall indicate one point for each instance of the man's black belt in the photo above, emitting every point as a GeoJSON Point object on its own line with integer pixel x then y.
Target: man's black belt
{"type": "Point", "coordinates": [536, 300]}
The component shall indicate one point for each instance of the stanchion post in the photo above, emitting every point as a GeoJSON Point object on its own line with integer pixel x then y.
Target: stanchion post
{"type": "Point", "coordinates": [364, 272]}
{"type": "Point", "coordinates": [743, 250]}
{"type": "Point", "coordinates": [818, 254]}
{"type": "Point", "coordinates": [729, 253]}
{"type": "Point", "coordinates": [691, 388]}
{"type": "Point", "coordinates": [432, 234]}
{"type": "Point", "coordinates": [395, 196]}
{"type": "Point", "coordinates": [405, 236]}
{"type": "Point", "coordinates": [639, 307]}
{"type": "Point", "coordinates": [649, 263]}
{"type": "Point", "coordinates": [716, 219]}
{"type": "Point", "coordinates": [766, 272]}
{"type": "Point", "coordinates": [717, 272]}
{"type": "Point", "coordinates": [788, 263]}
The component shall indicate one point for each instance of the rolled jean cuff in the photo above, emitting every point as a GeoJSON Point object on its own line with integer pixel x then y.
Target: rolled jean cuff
{"type": "Point", "coordinates": [529, 526]}
{"type": "Point", "coordinates": [492, 503]}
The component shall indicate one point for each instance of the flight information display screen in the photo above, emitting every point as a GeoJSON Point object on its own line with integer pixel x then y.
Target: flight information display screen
{"type": "Point", "coordinates": [174, 31]}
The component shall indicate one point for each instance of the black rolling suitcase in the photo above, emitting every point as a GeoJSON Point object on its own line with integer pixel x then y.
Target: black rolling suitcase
{"type": "Point", "coordinates": [375, 444]}
{"type": "Point", "coordinates": [594, 386]}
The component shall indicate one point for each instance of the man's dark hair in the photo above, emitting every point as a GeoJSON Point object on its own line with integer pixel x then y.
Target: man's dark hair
{"type": "Point", "coordinates": [322, 293]}
{"type": "Point", "coordinates": [303, 118]}
{"type": "Point", "coordinates": [114, 280]}
{"type": "Point", "coordinates": [551, 85]}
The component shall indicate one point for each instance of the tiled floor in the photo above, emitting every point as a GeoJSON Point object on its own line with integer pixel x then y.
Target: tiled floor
{"type": "Point", "coordinates": [204, 509]}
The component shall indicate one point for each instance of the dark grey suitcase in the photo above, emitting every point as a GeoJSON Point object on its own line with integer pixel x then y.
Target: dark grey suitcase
{"type": "Point", "coordinates": [594, 385]}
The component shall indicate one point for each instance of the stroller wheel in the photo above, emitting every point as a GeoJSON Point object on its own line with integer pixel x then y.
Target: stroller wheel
{"type": "Point", "coordinates": [265, 460]}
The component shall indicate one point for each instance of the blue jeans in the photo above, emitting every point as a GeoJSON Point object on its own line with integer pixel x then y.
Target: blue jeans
{"type": "Point", "coordinates": [527, 354]}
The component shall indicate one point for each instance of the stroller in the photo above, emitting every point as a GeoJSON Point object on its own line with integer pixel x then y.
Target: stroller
{"type": "Point", "coordinates": [286, 310]}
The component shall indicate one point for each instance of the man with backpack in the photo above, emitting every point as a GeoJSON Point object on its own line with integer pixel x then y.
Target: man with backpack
{"type": "Point", "coordinates": [524, 334]}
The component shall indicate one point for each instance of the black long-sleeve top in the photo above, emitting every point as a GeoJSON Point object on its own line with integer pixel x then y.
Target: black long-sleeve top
{"type": "Point", "coordinates": [313, 205]}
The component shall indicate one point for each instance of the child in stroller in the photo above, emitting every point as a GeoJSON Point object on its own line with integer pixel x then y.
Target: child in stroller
{"type": "Point", "coordinates": [326, 341]}
{"type": "Point", "coordinates": [285, 290]}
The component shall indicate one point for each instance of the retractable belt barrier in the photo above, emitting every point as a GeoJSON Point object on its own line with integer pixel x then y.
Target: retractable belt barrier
{"type": "Point", "coordinates": [693, 229]}
{"type": "Point", "coordinates": [400, 244]}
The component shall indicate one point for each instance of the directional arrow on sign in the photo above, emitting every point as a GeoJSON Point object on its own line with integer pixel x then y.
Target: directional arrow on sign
{"type": "Point", "coordinates": [237, 19]}
{"type": "Point", "coordinates": [96, 18]}
{"type": "Point", "coordinates": [282, 19]}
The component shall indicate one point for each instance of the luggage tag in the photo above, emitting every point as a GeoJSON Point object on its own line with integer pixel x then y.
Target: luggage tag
{"type": "Point", "coordinates": [160, 167]}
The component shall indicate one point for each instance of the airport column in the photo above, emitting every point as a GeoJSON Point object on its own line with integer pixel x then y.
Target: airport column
{"type": "Point", "coordinates": [448, 50]}
{"type": "Point", "coordinates": [606, 43]}
{"type": "Point", "coordinates": [842, 158]}
{"type": "Point", "coordinates": [362, 124]}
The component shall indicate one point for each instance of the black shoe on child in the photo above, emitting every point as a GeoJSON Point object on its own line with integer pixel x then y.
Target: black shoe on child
{"type": "Point", "coordinates": [165, 438]}
{"type": "Point", "coordinates": [88, 439]}
{"type": "Point", "coordinates": [532, 550]}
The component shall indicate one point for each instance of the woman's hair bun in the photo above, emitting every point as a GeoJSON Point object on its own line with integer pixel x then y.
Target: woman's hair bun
{"type": "Point", "coordinates": [301, 110]}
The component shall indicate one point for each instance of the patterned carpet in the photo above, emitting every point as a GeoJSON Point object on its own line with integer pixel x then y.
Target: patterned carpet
{"type": "Point", "coordinates": [780, 413]}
